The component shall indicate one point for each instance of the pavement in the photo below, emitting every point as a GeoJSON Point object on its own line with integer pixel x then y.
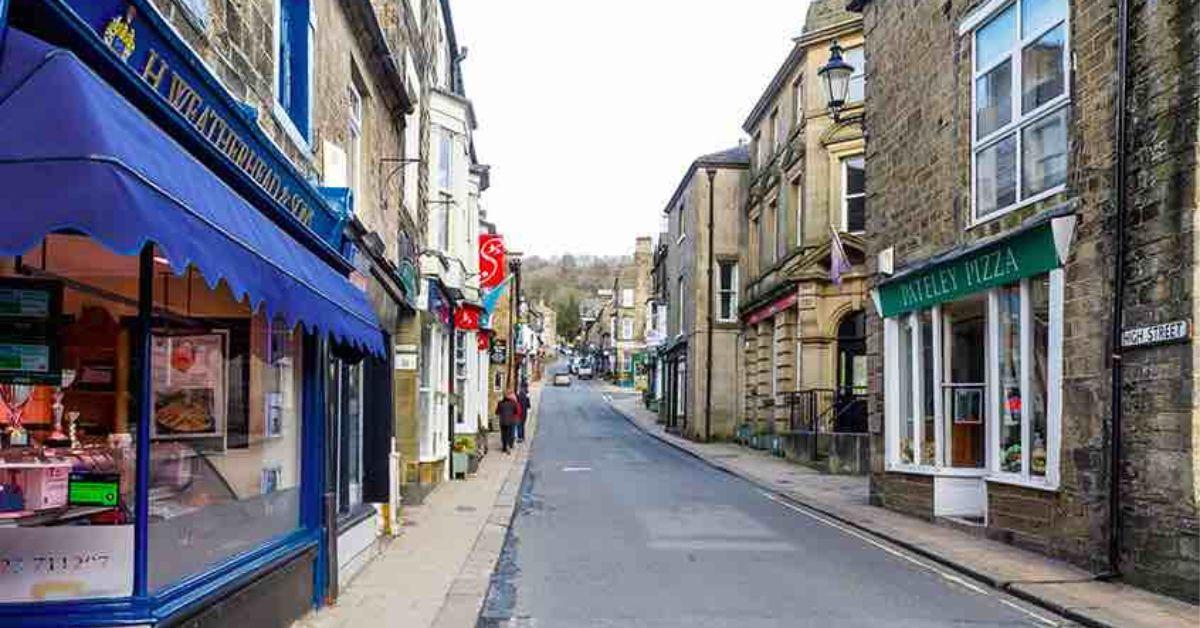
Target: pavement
{"type": "Point", "coordinates": [614, 528]}
{"type": "Point", "coordinates": [436, 571]}
{"type": "Point", "coordinates": [1055, 586]}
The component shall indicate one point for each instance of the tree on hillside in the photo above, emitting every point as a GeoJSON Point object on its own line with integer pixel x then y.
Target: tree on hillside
{"type": "Point", "coordinates": [567, 320]}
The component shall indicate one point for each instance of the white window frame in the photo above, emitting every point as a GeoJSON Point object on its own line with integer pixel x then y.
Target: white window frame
{"type": "Point", "coordinates": [1019, 121]}
{"type": "Point", "coordinates": [682, 223]}
{"type": "Point", "coordinates": [860, 72]}
{"type": "Point", "coordinates": [846, 195]}
{"type": "Point", "coordinates": [445, 163]}
{"type": "Point", "coordinates": [626, 297]}
{"type": "Point", "coordinates": [355, 139]}
{"type": "Point", "coordinates": [731, 290]}
{"type": "Point", "coordinates": [779, 129]}
{"type": "Point", "coordinates": [626, 328]}
{"type": "Point", "coordinates": [1054, 385]}
{"type": "Point", "coordinates": [681, 283]}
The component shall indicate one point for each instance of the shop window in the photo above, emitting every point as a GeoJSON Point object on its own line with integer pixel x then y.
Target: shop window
{"type": "Point", "coordinates": [1020, 105]}
{"type": "Point", "coordinates": [981, 369]}
{"type": "Point", "coordinates": [226, 433]}
{"type": "Point", "coordinates": [727, 291]}
{"type": "Point", "coordinates": [68, 419]}
{"type": "Point", "coordinates": [854, 194]}
{"type": "Point", "coordinates": [293, 47]}
{"type": "Point", "coordinates": [344, 396]}
{"type": "Point", "coordinates": [460, 355]}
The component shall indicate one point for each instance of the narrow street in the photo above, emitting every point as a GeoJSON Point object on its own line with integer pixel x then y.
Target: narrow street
{"type": "Point", "coordinates": [616, 528]}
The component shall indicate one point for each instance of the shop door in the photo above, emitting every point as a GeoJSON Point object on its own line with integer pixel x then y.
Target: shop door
{"type": "Point", "coordinates": [850, 406]}
{"type": "Point", "coordinates": [964, 382]}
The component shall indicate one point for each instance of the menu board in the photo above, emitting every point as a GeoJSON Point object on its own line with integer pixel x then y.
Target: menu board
{"type": "Point", "coordinates": [188, 382]}
{"type": "Point", "coordinates": [29, 338]}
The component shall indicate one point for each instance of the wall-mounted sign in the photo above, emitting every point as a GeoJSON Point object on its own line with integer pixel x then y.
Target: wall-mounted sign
{"type": "Point", "coordinates": [1175, 331]}
{"type": "Point", "coordinates": [139, 38]}
{"type": "Point", "coordinates": [1006, 261]}
{"type": "Point", "coordinates": [769, 311]}
{"type": "Point", "coordinates": [491, 260]}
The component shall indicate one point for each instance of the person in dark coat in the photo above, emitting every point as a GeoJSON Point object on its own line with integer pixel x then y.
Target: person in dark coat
{"type": "Point", "coordinates": [509, 413]}
{"type": "Point", "coordinates": [523, 399]}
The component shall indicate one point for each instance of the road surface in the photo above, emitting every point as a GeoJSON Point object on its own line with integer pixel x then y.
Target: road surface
{"type": "Point", "coordinates": [616, 528]}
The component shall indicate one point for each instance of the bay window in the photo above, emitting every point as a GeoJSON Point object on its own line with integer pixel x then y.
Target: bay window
{"type": "Point", "coordinates": [1020, 95]}
{"type": "Point", "coordinates": [973, 383]}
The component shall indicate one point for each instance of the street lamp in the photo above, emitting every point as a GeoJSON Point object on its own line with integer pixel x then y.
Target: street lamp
{"type": "Point", "coordinates": [835, 79]}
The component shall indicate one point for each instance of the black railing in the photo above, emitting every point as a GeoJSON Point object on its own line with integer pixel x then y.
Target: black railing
{"type": "Point", "coordinates": [826, 410]}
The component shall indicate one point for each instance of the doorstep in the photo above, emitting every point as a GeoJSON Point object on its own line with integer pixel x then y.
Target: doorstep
{"type": "Point", "coordinates": [1036, 578]}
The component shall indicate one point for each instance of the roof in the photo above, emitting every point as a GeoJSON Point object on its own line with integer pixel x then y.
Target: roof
{"type": "Point", "coordinates": [824, 17]}
{"type": "Point", "coordinates": [737, 158]}
{"type": "Point", "coordinates": [822, 13]}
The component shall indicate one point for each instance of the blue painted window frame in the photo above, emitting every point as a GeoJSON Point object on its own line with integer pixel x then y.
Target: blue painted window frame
{"type": "Point", "coordinates": [142, 607]}
{"type": "Point", "coordinates": [293, 57]}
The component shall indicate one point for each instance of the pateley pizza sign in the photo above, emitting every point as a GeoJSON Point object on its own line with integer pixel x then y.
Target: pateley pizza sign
{"type": "Point", "coordinates": [1023, 255]}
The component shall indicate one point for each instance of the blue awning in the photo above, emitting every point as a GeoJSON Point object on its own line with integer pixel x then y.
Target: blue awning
{"type": "Point", "coordinates": [74, 155]}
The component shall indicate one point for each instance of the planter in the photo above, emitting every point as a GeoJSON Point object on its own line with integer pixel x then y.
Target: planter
{"type": "Point", "coordinates": [459, 463]}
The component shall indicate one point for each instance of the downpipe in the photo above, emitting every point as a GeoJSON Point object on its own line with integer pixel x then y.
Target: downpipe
{"type": "Point", "coordinates": [1115, 523]}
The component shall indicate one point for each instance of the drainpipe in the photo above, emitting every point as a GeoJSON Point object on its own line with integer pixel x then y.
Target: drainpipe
{"type": "Point", "coordinates": [450, 391]}
{"type": "Point", "coordinates": [712, 173]}
{"type": "Point", "coordinates": [1114, 436]}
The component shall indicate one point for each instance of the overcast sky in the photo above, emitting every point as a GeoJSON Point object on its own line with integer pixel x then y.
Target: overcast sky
{"type": "Point", "coordinates": [590, 112]}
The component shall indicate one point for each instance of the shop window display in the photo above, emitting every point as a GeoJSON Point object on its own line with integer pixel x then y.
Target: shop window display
{"type": "Point", "coordinates": [225, 438]}
{"type": "Point", "coordinates": [68, 417]}
{"type": "Point", "coordinates": [984, 370]}
{"type": "Point", "coordinates": [225, 433]}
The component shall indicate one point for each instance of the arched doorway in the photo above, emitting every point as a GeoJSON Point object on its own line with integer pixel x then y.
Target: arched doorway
{"type": "Point", "coordinates": [850, 403]}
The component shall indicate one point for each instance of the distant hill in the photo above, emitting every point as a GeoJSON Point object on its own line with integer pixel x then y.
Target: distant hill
{"type": "Point", "coordinates": [564, 281]}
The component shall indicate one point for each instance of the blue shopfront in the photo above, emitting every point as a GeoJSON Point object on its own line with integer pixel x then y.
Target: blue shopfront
{"type": "Point", "coordinates": [172, 295]}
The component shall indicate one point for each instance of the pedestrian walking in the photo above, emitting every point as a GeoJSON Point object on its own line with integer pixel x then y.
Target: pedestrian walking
{"type": "Point", "coordinates": [523, 399]}
{"type": "Point", "coordinates": [508, 411]}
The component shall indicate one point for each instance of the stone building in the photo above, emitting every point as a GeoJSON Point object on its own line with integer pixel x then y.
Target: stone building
{"type": "Point", "coordinates": [802, 327]}
{"type": "Point", "coordinates": [1031, 195]}
{"type": "Point", "coordinates": [713, 185]}
{"type": "Point", "coordinates": [352, 119]}
{"type": "Point", "coordinates": [630, 290]}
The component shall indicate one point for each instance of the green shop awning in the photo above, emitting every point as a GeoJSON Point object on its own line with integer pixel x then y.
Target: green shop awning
{"type": "Point", "coordinates": [1037, 247]}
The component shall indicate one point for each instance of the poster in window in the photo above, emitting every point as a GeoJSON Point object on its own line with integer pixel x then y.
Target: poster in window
{"type": "Point", "coordinates": [188, 384]}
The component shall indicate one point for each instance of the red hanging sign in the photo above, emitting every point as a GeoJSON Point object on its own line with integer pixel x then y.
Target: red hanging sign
{"type": "Point", "coordinates": [466, 317]}
{"type": "Point", "coordinates": [483, 341]}
{"type": "Point", "coordinates": [491, 260]}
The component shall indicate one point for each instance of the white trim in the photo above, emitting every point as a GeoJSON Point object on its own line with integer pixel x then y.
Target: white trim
{"type": "Point", "coordinates": [1064, 232]}
{"type": "Point", "coordinates": [1015, 480]}
{"type": "Point", "coordinates": [843, 162]}
{"type": "Point", "coordinates": [1054, 378]}
{"type": "Point", "coordinates": [1019, 120]}
{"type": "Point", "coordinates": [980, 15]}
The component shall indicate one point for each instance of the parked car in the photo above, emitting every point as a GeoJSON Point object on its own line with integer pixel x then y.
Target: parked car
{"type": "Point", "coordinates": [584, 371]}
{"type": "Point", "coordinates": [562, 379]}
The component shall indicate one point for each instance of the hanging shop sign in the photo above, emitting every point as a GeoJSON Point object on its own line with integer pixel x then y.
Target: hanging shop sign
{"type": "Point", "coordinates": [491, 260]}
{"type": "Point", "coordinates": [1175, 331]}
{"type": "Point", "coordinates": [499, 351]}
{"type": "Point", "coordinates": [769, 311]}
{"type": "Point", "coordinates": [483, 341]}
{"type": "Point", "coordinates": [139, 38]}
{"type": "Point", "coordinates": [30, 310]}
{"type": "Point", "coordinates": [1024, 254]}
{"type": "Point", "coordinates": [466, 317]}
{"type": "Point", "coordinates": [438, 302]}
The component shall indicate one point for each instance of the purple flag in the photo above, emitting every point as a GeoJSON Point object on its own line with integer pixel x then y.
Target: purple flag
{"type": "Point", "coordinates": [838, 262]}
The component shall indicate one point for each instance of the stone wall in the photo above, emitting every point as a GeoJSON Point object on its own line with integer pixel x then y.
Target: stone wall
{"type": "Point", "coordinates": [924, 135]}
{"type": "Point", "coordinates": [1160, 536]}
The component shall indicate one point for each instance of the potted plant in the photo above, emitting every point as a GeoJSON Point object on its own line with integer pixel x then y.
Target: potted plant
{"type": "Point", "coordinates": [460, 456]}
